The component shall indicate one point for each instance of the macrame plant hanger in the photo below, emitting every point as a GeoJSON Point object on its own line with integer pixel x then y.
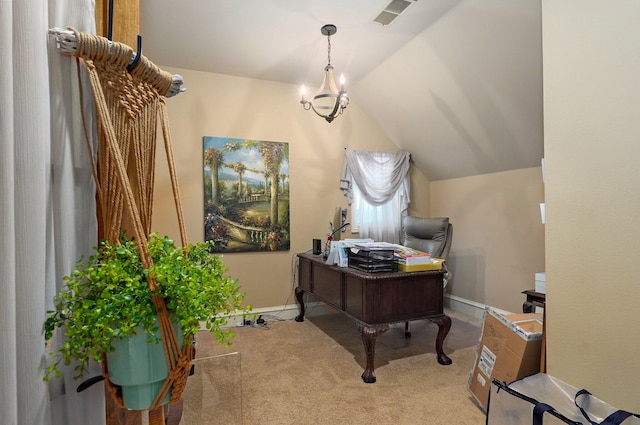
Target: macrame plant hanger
{"type": "Point", "coordinates": [129, 99]}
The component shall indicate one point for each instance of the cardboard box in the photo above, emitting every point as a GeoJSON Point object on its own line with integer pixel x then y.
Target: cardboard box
{"type": "Point", "coordinates": [509, 349]}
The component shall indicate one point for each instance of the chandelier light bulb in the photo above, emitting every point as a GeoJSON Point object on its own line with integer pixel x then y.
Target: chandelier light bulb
{"type": "Point", "coordinates": [303, 93]}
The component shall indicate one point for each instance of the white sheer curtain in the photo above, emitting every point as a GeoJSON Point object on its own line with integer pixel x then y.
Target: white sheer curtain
{"type": "Point", "coordinates": [377, 185]}
{"type": "Point", "coordinates": [47, 214]}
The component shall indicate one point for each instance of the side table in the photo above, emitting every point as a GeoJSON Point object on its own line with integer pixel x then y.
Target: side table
{"type": "Point", "coordinates": [538, 299]}
{"type": "Point", "coordinates": [534, 299]}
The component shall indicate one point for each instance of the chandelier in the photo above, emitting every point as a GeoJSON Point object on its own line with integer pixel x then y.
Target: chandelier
{"type": "Point", "coordinates": [329, 101]}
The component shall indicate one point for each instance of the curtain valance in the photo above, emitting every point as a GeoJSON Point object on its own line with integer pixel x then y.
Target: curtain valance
{"type": "Point", "coordinates": [378, 175]}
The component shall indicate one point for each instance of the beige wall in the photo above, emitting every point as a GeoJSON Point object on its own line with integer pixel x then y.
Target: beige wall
{"type": "Point", "coordinates": [226, 106]}
{"type": "Point", "coordinates": [592, 191]}
{"type": "Point", "coordinates": [498, 239]}
{"type": "Point", "coordinates": [420, 194]}
{"type": "Point", "coordinates": [498, 236]}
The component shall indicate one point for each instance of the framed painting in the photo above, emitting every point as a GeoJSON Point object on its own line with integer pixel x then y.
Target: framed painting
{"type": "Point", "coordinates": [246, 194]}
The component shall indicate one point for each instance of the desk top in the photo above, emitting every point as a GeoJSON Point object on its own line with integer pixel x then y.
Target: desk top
{"type": "Point", "coordinates": [382, 275]}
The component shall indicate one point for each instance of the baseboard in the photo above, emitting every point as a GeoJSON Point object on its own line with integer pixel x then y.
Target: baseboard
{"type": "Point", "coordinates": [464, 306]}
{"type": "Point", "coordinates": [289, 312]}
{"type": "Point", "coordinates": [271, 314]}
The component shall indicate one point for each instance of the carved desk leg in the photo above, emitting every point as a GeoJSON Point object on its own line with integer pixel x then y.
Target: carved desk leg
{"type": "Point", "coordinates": [369, 335]}
{"type": "Point", "coordinates": [299, 293]}
{"type": "Point", "coordinates": [444, 324]}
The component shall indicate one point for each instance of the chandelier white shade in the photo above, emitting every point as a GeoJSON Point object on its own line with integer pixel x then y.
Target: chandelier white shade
{"type": "Point", "coordinates": [330, 100]}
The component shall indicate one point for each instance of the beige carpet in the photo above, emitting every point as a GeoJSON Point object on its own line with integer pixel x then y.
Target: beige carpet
{"type": "Point", "coordinates": [309, 373]}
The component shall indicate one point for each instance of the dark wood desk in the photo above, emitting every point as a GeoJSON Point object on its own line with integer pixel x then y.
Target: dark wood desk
{"type": "Point", "coordinates": [374, 300]}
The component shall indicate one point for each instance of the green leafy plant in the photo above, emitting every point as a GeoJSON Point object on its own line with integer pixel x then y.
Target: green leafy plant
{"type": "Point", "coordinates": [107, 297]}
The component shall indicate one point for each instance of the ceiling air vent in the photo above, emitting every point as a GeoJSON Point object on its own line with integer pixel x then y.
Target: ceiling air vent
{"type": "Point", "coordinates": [392, 11]}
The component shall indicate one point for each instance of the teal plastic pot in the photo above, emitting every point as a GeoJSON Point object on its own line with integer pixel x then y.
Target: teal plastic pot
{"type": "Point", "coordinates": [140, 368]}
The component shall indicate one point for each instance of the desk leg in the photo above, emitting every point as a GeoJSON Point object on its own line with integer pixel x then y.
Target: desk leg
{"type": "Point", "coordinates": [369, 335]}
{"type": "Point", "coordinates": [299, 294]}
{"type": "Point", "coordinates": [444, 324]}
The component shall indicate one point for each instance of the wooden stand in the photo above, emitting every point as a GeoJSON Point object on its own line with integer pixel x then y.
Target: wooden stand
{"type": "Point", "coordinates": [534, 299]}
{"type": "Point", "coordinates": [538, 299]}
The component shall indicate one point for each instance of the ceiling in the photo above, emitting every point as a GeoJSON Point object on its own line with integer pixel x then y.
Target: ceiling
{"type": "Point", "coordinates": [458, 83]}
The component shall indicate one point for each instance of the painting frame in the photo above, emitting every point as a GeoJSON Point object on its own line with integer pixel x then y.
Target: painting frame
{"type": "Point", "coordinates": [246, 184]}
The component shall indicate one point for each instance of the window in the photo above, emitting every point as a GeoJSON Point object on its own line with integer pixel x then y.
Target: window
{"type": "Point", "coordinates": [377, 187]}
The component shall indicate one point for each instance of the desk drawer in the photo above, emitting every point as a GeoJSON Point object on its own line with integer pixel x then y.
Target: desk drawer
{"type": "Point", "coordinates": [354, 296]}
{"type": "Point", "coordinates": [403, 299]}
{"type": "Point", "coordinates": [327, 284]}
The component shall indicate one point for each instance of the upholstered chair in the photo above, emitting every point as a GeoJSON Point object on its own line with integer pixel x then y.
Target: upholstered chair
{"type": "Point", "coordinates": [432, 235]}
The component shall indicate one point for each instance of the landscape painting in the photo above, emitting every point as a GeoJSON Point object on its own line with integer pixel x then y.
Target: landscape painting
{"type": "Point", "coordinates": [246, 194]}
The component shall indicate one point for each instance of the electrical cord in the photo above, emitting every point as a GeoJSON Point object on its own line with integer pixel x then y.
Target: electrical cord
{"type": "Point", "coordinates": [263, 320]}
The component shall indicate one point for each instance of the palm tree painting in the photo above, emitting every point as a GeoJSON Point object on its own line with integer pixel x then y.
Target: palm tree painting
{"type": "Point", "coordinates": [246, 194]}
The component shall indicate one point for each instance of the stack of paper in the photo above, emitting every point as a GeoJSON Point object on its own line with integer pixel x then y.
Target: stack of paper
{"type": "Point", "coordinates": [410, 256]}
{"type": "Point", "coordinates": [435, 264]}
{"type": "Point", "coordinates": [408, 259]}
{"type": "Point", "coordinates": [412, 260]}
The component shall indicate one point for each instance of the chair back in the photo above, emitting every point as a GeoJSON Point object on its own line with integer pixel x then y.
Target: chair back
{"type": "Point", "coordinates": [432, 235]}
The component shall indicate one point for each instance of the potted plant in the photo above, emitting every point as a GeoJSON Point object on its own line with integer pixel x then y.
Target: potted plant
{"type": "Point", "coordinates": [107, 300]}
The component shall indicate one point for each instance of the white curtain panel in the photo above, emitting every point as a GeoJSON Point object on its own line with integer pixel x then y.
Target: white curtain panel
{"type": "Point", "coordinates": [47, 214]}
{"type": "Point", "coordinates": [377, 185]}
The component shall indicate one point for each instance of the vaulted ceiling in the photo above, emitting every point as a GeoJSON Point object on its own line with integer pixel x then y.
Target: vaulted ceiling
{"type": "Point", "coordinates": [458, 83]}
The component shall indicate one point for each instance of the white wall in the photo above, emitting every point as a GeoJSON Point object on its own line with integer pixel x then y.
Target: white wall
{"type": "Point", "coordinates": [591, 74]}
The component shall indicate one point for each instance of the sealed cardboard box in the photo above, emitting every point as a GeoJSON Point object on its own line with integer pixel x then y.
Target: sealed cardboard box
{"type": "Point", "coordinates": [509, 349]}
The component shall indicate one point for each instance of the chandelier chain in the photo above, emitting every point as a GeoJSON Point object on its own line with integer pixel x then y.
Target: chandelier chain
{"type": "Point", "coordinates": [329, 49]}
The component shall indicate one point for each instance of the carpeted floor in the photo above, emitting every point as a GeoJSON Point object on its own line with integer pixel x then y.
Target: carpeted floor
{"type": "Point", "coordinates": [309, 373]}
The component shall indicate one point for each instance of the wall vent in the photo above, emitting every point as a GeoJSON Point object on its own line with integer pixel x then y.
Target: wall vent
{"type": "Point", "coordinates": [392, 11]}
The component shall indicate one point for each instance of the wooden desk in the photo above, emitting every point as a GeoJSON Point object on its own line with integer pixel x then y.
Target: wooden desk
{"type": "Point", "coordinates": [374, 300]}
